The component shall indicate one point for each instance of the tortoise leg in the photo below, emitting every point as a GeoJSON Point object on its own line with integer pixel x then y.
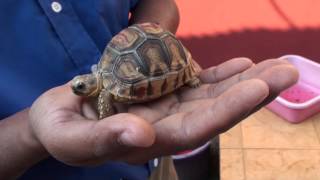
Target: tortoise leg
{"type": "Point", "coordinates": [194, 82]}
{"type": "Point", "coordinates": [105, 107]}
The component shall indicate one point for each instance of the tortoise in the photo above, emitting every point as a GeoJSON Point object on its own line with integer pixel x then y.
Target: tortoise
{"type": "Point", "coordinates": [141, 63]}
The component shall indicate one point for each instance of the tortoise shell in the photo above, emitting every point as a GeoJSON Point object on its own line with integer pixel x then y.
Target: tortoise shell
{"type": "Point", "coordinates": [144, 62]}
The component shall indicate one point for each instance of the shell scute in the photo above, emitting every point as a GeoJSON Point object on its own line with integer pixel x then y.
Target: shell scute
{"type": "Point", "coordinates": [127, 69]}
{"type": "Point", "coordinates": [126, 39]}
{"type": "Point", "coordinates": [154, 56]}
{"type": "Point", "coordinates": [107, 60]}
{"type": "Point", "coordinates": [144, 62]}
{"type": "Point", "coordinates": [176, 51]}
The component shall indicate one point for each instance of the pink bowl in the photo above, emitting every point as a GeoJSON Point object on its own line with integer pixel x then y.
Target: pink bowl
{"type": "Point", "coordinates": [302, 100]}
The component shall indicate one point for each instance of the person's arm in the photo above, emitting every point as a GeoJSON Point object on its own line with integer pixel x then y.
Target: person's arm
{"type": "Point", "coordinates": [18, 146]}
{"type": "Point", "coordinates": [163, 12]}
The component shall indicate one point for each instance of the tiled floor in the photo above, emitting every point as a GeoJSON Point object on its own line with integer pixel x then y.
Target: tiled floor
{"type": "Point", "coordinates": [265, 147]}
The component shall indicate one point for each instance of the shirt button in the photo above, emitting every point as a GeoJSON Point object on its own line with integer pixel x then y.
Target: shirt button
{"type": "Point", "coordinates": [56, 7]}
{"type": "Point", "coordinates": [155, 162]}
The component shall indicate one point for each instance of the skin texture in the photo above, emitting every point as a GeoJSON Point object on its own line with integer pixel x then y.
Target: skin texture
{"type": "Point", "coordinates": [18, 146]}
{"type": "Point", "coordinates": [69, 130]}
{"type": "Point", "coordinates": [65, 126]}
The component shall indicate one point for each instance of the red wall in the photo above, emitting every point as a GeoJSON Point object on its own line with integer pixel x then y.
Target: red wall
{"type": "Point", "coordinates": [217, 30]}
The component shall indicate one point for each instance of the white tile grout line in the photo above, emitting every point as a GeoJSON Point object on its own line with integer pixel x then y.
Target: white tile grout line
{"type": "Point", "coordinates": [243, 153]}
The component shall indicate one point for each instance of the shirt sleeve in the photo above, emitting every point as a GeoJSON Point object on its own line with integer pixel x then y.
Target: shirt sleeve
{"type": "Point", "coordinates": [133, 3]}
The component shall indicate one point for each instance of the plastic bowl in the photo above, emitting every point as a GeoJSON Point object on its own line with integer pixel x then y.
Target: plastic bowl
{"type": "Point", "coordinates": [302, 100]}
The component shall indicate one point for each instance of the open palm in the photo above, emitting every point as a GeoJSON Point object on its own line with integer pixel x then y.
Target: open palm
{"type": "Point", "coordinates": [67, 127]}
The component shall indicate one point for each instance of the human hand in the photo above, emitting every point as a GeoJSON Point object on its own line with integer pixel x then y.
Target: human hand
{"type": "Point", "coordinates": [67, 127]}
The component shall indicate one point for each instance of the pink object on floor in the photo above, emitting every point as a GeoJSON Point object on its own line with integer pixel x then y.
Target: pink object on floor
{"type": "Point", "coordinates": [302, 100]}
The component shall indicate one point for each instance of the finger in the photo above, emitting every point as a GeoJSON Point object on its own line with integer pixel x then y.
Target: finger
{"type": "Point", "coordinates": [220, 115]}
{"type": "Point", "coordinates": [189, 105]}
{"type": "Point", "coordinates": [155, 110]}
{"type": "Point", "coordinates": [225, 70]}
{"type": "Point", "coordinates": [62, 98]}
{"type": "Point", "coordinates": [83, 142]}
{"type": "Point", "coordinates": [215, 74]}
{"type": "Point", "coordinates": [188, 130]}
{"type": "Point", "coordinates": [148, 113]}
{"type": "Point", "coordinates": [278, 79]}
{"type": "Point", "coordinates": [257, 71]}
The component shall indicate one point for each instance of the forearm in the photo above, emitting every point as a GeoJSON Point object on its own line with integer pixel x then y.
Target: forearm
{"type": "Point", "coordinates": [19, 148]}
{"type": "Point", "coordinates": [163, 12]}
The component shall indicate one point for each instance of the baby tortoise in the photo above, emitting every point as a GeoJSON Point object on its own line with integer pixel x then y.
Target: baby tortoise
{"type": "Point", "coordinates": [141, 63]}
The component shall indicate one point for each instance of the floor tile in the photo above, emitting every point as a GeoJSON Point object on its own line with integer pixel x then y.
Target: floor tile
{"type": "Point", "coordinates": [231, 138]}
{"type": "Point", "coordinates": [231, 164]}
{"type": "Point", "coordinates": [282, 164]}
{"type": "Point", "coordinates": [264, 129]}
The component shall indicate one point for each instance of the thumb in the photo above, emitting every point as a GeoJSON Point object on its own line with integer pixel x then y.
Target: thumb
{"type": "Point", "coordinates": [85, 142]}
{"type": "Point", "coordinates": [126, 130]}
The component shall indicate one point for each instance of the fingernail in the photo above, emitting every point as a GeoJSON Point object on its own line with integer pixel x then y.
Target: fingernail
{"type": "Point", "coordinates": [130, 139]}
{"type": "Point", "coordinates": [127, 139]}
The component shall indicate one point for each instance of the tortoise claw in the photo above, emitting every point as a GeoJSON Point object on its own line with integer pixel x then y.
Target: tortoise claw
{"type": "Point", "coordinates": [194, 83]}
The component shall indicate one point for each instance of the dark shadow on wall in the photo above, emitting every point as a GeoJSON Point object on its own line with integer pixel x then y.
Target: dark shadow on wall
{"type": "Point", "coordinates": [255, 44]}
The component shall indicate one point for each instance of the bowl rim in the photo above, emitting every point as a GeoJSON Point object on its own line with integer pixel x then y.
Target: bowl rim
{"type": "Point", "coordinates": [305, 104]}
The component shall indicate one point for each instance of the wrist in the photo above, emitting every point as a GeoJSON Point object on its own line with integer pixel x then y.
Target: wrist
{"type": "Point", "coordinates": [31, 141]}
{"type": "Point", "coordinates": [19, 148]}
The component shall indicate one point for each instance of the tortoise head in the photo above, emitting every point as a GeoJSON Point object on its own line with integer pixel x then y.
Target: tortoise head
{"type": "Point", "coordinates": [88, 85]}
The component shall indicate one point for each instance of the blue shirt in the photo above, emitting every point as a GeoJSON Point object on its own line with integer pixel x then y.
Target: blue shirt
{"type": "Point", "coordinates": [44, 44]}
